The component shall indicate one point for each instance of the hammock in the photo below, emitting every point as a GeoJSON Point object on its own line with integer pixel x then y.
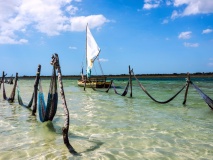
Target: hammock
{"type": "Point", "coordinates": [47, 112]}
{"type": "Point", "coordinates": [20, 99]}
{"type": "Point", "coordinates": [13, 92]}
{"type": "Point", "coordinates": [125, 90]}
{"type": "Point", "coordinates": [161, 102]}
{"type": "Point", "coordinates": [208, 100]}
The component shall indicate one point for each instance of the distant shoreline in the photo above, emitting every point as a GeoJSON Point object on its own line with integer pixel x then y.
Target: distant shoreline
{"type": "Point", "coordinates": [124, 76]}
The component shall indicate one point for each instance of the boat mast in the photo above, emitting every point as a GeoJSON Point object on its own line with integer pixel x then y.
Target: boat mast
{"type": "Point", "coordinates": [86, 50]}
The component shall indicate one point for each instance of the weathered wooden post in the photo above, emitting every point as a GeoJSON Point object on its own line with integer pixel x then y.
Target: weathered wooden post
{"type": "Point", "coordinates": [85, 81]}
{"type": "Point", "coordinates": [65, 129]}
{"type": "Point", "coordinates": [35, 93]}
{"type": "Point", "coordinates": [187, 87]}
{"type": "Point", "coordinates": [13, 93]}
{"type": "Point", "coordinates": [2, 79]}
{"type": "Point", "coordinates": [130, 79]}
{"type": "Point", "coordinates": [4, 92]}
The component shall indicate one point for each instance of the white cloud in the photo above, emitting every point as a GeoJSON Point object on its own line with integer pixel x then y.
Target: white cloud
{"type": "Point", "coordinates": [185, 35]}
{"type": "Point", "coordinates": [94, 21]}
{"type": "Point", "coordinates": [206, 31]}
{"type": "Point", "coordinates": [71, 9]}
{"type": "Point", "coordinates": [168, 3]}
{"type": "Point", "coordinates": [185, 7]}
{"type": "Point", "coordinates": [191, 44]}
{"type": "Point", "coordinates": [50, 17]}
{"type": "Point", "coordinates": [195, 6]}
{"type": "Point", "coordinates": [103, 60]}
{"type": "Point", "coordinates": [210, 64]}
{"type": "Point", "coordinates": [8, 40]}
{"type": "Point", "coordinates": [72, 47]}
{"type": "Point", "coordinates": [165, 21]}
{"type": "Point", "coordinates": [174, 14]}
{"type": "Point", "coordinates": [149, 4]}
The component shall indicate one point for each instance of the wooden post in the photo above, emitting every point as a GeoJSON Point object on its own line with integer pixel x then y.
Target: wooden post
{"type": "Point", "coordinates": [187, 87]}
{"type": "Point", "coordinates": [12, 95]}
{"type": "Point", "coordinates": [4, 93]}
{"type": "Point", "coordinates": [85, 81]}
{"type": "Point", "coordinates": [65, 129]}
{"type": "Point", "coordinates": [130, 79]}
{"type": "Point", "coordinates": [35, 96]}
{"type": "Point", "coordinates": [2, 79]}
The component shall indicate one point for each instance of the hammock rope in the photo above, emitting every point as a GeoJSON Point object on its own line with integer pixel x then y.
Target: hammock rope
{"type": "Point", "coordinates": [207, 99]}
{"type": "Point", "coordinates": [100, 65]}
{"type": "Point", "coordinates": [47, 112]}
{"type": "Point", "coordinates": [161, 102]}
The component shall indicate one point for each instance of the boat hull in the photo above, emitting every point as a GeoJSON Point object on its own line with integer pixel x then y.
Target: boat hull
{"type": "Point", "coordinates": [94, 84]}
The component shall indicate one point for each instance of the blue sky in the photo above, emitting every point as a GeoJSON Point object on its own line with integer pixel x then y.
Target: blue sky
{"type": "Point", "coordinates": [152, 36]}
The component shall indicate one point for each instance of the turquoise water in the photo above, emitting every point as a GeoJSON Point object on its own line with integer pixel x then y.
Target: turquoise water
{"type": "Point", "coordinates": [109, 126]}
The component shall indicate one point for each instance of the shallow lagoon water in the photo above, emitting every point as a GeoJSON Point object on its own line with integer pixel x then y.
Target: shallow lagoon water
{"type": "Point", "coordinates": [109, 126]}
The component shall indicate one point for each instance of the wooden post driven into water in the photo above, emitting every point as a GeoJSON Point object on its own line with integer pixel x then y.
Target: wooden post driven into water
{"type": "Point", "coordinates": [13, 93]}
{"type": "Point", "coordinates": [65, 129]}
{"type": "Point", "coordinates": [36, 90]}
{"type": "Point", "coordinates": [4, 94]}
{"type": "Point", "coordinates": [187, 87]}
{"type": "Point", "coordinates": [2, 79]}
{"type": "Point", "coordinates": [85, 84]}
{"type": "Point", "coordinates": [130, 79]}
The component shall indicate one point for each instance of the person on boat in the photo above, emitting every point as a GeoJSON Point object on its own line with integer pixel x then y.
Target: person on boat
{"type": "Point", "coordinates": [89, 68]}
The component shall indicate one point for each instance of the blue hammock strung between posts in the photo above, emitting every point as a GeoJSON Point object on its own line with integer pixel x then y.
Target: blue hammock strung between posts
{"type": "Point", "coordinates": [47, 112]}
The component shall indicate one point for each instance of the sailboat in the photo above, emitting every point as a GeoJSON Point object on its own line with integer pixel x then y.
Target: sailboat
{"type": "Point", "coordinates": [92, 53]}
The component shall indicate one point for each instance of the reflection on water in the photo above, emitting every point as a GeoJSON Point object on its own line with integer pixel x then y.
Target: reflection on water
{"type": "Point", "coordinates": [108, 126]}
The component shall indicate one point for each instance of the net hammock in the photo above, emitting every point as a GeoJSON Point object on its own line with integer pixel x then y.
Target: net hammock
{"type": "Point", "coordinates": [13, 92]}
{"type": "Point", "coordinates": [47, 112]}
{"type": "Point", "coordinates": [33, 100]}
{"type": "Point", "coordinates": [161, 102]}
{"type": "Point", "coordinates": [124, 92]}
{"type": "Point", "coordinates": [20, 99]}
{"type": "Point", "coordinates": [207, 99]}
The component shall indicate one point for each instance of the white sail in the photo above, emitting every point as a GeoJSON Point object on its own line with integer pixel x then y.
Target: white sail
{"type": "Point", "coordinates": [92, 51]}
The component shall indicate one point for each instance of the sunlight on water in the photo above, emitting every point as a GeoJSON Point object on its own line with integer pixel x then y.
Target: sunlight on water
{"type": "Point", "coordinates": [108, 126]}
